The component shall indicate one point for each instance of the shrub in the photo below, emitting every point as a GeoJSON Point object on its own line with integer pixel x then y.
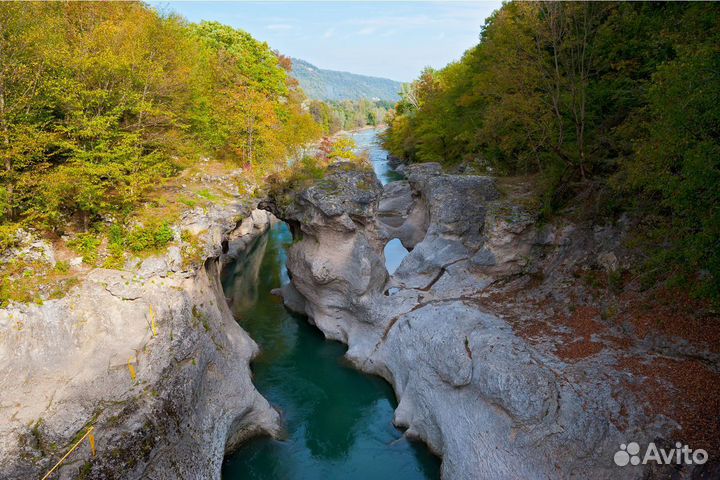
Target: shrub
{"type": "Point", "coordinates": [139, 239]}
{"type": "Point", "coordinates": [208, 195]}
{"type": "Point", "coordinates": [7, 237]}
{"type": "Point", "coordinates": [62, 267]}
{"type": "Point", "coordinates": [86, 244]}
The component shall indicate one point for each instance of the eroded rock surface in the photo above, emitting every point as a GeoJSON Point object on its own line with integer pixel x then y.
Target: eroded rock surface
{"type": "Point", "coordinates": [150, 356]}
{"type": "Point", "coordinates": [491, 403]}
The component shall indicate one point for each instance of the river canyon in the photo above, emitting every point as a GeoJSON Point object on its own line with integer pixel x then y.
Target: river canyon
{"type": "Point", "coordinates": [280, 240]}
{"type": "Point", "coordinates": [338, 421]}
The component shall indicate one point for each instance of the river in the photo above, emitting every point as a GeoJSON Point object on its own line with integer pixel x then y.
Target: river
{"type": "Point", "coordinates": [367, 141]}
{"type": "Point", "coordinates": [338, 421]}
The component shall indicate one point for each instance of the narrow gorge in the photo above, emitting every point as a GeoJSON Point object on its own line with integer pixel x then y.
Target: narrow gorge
{"type": "Point", "coordinates": [485, 395]}
{"type": "Point", "coordinates": [359, 240]}
{"type": "Point", "coordinates": [431, 279]}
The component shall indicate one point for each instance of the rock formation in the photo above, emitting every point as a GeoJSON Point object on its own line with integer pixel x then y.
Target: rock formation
{"type": "Point", "coordinates": [150, 356]}
{"type": "Point", "coordinates": [490, 402]}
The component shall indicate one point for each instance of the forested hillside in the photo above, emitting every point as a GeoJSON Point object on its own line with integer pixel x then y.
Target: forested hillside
{"type": "Point", "coordinates": [109, 110]}
{"type": "Point", "coordinates": [101, 102]}
{"type": "Point", "coordinates": [320, 84]}
{"type": "Point", "coordinates": [348, 114]}
{"type": "Point", "coordinates": [613, 107]}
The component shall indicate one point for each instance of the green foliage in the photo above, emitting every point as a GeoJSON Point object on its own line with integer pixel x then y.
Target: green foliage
{"type": "Point", "coordinates": [334, 116]}
{"type": "Point", "coordinates": [62, 267]}
{"type": "Point", "coordinates": [188, 202]}
{"type": "Point", "coordinates": [7, 237]}
{"type": "Point", "coordinates": [285, 184]}
{"type": "Point", "coordinates": [675, 174]}
{"type": "Point", "coordinates": [151, 237]}
{"type": "Point", "coordinates": [86, 244]}
{"type": "Point", "coordinates": [4, 204]}
{"type": "Point", "coordinates": [208, 195]}
{"type": "Point", "coordinates": [245, 106]}
{"type": "Point", "coordinates": [617, 98]}
{"type": "Point", "coordinates": [116, 256]}
{"type": "Point", "coordinates": [100, 102]}
{"type": "Point", "coordinates": [309, 168]}
{"type": "Point", "coordinates": [342, 148]}
{"type": "Point", "coordinates": [550, 83]}
{"type": "Point", "coordinates": [4, 292]}
{"type": "Point", "coordinates": [142, 239]}
{"type": "Point", "coordinates": [192, 250]}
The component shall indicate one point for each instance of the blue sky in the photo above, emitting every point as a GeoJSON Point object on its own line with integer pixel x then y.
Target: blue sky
{"type": "Point", "coordinates": [386, 39]}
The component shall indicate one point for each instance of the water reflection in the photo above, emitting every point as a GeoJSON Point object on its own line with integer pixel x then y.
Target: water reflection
{"type": "Point", "coordinates": [395, 252]}
{"type": "Point", "coordinates": [241, 280]}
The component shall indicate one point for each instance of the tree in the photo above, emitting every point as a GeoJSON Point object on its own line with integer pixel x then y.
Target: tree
{"type": "Point", "coordinates": [101, 101]}
{"type": "Point", "coordinates": [676, 167]}
{"type": "Point", "coordinates": [612, 101]}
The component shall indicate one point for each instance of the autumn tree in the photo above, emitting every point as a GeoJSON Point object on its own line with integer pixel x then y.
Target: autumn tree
{"type": "Point", "coordinates": [101, 101]}
{"type": "Point", "coordinates": [610, 101]}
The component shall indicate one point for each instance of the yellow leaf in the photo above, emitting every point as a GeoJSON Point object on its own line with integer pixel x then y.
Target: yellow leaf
{"type": "Point", "coordinates": [91, 438]}
{"type": "Point", "coordinates": [132, 369]}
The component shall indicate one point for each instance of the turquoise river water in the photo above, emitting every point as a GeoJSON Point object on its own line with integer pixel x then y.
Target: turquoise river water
{"type": "Point", "coordinates": [338, 421]}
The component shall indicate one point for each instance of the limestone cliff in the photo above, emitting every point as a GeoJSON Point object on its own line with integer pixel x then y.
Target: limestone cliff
{"type": "Point", "coordinates": [490, 402]}
{"type": "Point", "coordinates": [150, 356]}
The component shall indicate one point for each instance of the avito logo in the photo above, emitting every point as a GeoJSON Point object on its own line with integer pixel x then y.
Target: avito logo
{"type": "Point", "coordinates": [681, 454]}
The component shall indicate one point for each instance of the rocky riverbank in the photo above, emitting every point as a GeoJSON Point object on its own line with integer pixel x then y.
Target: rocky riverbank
{"type": "Point", "coordinates": [494, 399]}
{"type": "Point", "coordinates": [149, 355]}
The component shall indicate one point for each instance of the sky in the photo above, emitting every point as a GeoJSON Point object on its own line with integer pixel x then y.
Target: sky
{"type": "Point", "coordinates": [385, 39]}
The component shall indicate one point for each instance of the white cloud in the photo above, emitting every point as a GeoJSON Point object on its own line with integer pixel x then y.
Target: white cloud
{"type": "Point", "coordinates": [367, 31]}
{"type": "Point", "coordinates": [278, 26]}
{"type": "Point", "coordinates": [450, 16]}
{"type": "Point", "coordinates": [394, 21]}
{"type": "Point", "coordinates": [329, 32]}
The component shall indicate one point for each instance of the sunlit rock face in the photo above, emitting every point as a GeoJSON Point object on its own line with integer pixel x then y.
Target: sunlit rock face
{"type": "Point", "coordinates": [490, 403]}
{"type": "Point", "coordinates": [151, 357]}
{"type": "Point", "coordinates": [336, 263]}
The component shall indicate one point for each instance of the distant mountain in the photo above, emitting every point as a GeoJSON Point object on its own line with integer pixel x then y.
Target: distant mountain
{"type": "Point", "coordinates": [323, 84]}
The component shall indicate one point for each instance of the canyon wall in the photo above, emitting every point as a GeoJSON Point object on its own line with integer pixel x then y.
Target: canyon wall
{"type": "Point", "coordinates": [491, 403]}
{"type": "Point", "coordinates": [150, 356]}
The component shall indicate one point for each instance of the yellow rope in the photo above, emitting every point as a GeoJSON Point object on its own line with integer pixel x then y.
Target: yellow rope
{"type": "Point", "coordinates": [153, 326]}
{"type": "Point", "coordinates": [47, 475]}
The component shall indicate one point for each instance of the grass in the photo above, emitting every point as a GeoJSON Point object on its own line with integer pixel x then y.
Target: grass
{"type": "Point", "coordinates": [30, 282]}
{"type": "Point", "coordinates": [188, 202]}
{"type": "Point", "coordinates": [38, 437]}
{"type": "Point", "coordinates": [207, 195]}
{"type": "Point", "coordinates": [85, 471]}
{"type": "Point", "coordinates": [87, 245]}
{"type": "Point", "coordinates": [7, 237]}
{"type": "Point", "coordinates": [192, 250]}
{"type": "Point", "coordinates": [201, 318]}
